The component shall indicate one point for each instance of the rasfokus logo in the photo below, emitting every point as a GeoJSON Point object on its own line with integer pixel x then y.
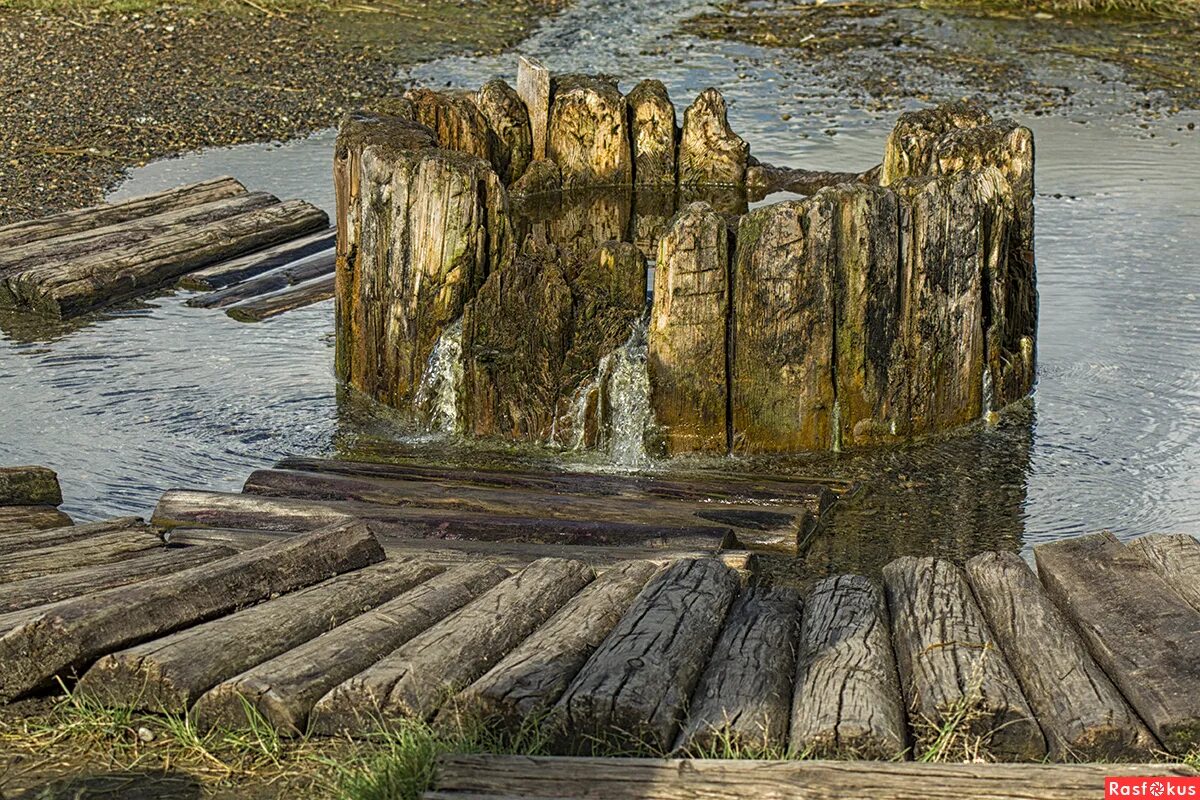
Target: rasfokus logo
{"type": "Point", "coordinates": [1165, 786]}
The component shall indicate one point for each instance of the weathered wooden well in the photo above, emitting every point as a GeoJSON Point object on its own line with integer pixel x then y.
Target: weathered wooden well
{"type": "Point", "coordinates": [507, 235]}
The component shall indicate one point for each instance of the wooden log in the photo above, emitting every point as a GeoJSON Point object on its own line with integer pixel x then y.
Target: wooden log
{"type": "Point", "coordinates": [653, 131]}
{"type": "Point", "coordinates": [1176, 557]}
{"type": "Point", "coordinates": [68, 222]}
{"type": "Point", "coordinates": [214, 509]}
{"type": "Point", "coordinates": [687, 358]}
{"type": "Point", "coordinates": [588, 135]}
{"type": "Point", "coordinates": [1081, 713]}
{"type": "Point", "coordinates": [31, 518]}
{"type": "Point", "coordinates": [47, 589]}
{"type": "Point", "coordinates": [456, 121]}
{"type": "Point", "coordinates": [767, 179]}
{"type": "Point", "coordinates": [167, 675]}
{"type": "Point", "coordinates": [962, 697]}
{"type": "Point", "coordinates": [33, 540]}
{"type": "Point", "coordinates": [101, 548]}
{"type": "Point", "coordinates": [416, 679]}
{"type": "Point", "coordinates": [236, 270]}
{"type": "Point", "coordinates": [1141, 633]}
{"type": "Point", "coordinates": [530, 679]}
{"type": "Point", "coordinates": [317, 266]}
{"type": "Point", "coordinates": [497, 776]}
{"type": "Point", "coordinates": [709, 151]}
{"type": "Point", "coordinates": [75, 632]}
{"type": "Point", "coordinates": [847, 698]}
{"type": "Point", "coordinates": [533, 86]}
{"type": "Point", "coordinates": [272, 305]}
{"type": "Point", "coordinates": [743, 701]}
{"type": "Point", "coordinates": [85, 283]}
{"type": "Point", "coordinates": [29, 486]}
{"type": "Point", "coordinates": [634, 689]}
{"type": "Point", "coordinates": [508, 118]}
{"type": "Point", "coordinates": [284, 689]}
{"type": "Point", "coordinates": [541, 177]}
{"type": "Point", "coordinates": [911, 146]}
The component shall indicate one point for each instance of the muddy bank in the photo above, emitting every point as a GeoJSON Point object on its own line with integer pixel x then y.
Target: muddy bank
{"type": "Point", "coordinates": [87, 95]}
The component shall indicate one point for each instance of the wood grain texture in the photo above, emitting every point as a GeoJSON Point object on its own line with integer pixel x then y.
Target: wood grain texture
{"type": "Point", "coordinates": [34, 539]}
{"type": "Point", "coordinates": [258, 309]}
{"type": "Point", "coordinates": [236, 270]}
{"type": "Point", "coordinates": [316, 266]}
{"type": "Point", "coordinates": [533, 86]}
{"type": "Point", "coordinates": [709, 151]}
{"type": "Point", "coordinates": [588, 135]}
{"type": "Point", "coordinates": [508, 118]}
{"type": "Point", "coordinates": [14, 519]}
{"type": "Point", "coordinates": [653, 132]}
{"type": "Point", "coordinates": [101, 548]}
{"type": "Point", "coordinates": [1176, 557]}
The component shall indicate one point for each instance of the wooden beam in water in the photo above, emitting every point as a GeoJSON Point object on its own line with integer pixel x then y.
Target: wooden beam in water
{"type": "Point", "coordinates": [32, 540]}
{"type": "Point", "coordinates": [316, 266]}
{"type": "Point", "coordinates": [272, 305]}
{"type": "Point", "coordinates": [102, 548]}
{"type": "Point", "coordinates": [236, 270]}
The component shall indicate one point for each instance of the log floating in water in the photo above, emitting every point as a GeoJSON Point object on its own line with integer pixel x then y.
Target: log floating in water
{"type": "Point", "coordinates": [75, 632]}
{"type": "Point", "coordinates": [1176, 557]}
{"type": "Point", "coordinates": [272, 305]}
{"type": "Point", "coordinates": [285, 688]}
{"type": "Point", "coordinates": [167, 675]}
{"type": "Point", "coordinates": [847, 695]}
{"type": "Point", "coordinates": [1081, 713]}
{"type": "Point", "coordinates": [34, 540]}
{"type": "Point", "coordinates": [31, 518]}
{"type": "Point", "coordinates": [1127, 614]}
{"type": "Point", "coordinates": [953, 675]}
{"type": "Point", "coordinates": [29, 486]}
{"type": "Point", "coordinates": [102, 548]}
{"type": "Point", "coordinates": [236, 270]}
{"type": "Point", "coordinates": [316, 266]}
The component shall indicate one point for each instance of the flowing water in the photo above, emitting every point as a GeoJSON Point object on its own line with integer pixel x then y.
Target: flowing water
{"type": "Point", "coordinates": [161, 395]}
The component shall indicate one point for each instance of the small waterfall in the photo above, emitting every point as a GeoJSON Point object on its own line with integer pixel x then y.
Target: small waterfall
{"type": "Point", "coordinates": [437, 396]}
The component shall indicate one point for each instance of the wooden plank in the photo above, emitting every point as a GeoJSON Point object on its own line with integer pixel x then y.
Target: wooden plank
{"type": "Point", "coordinates": [68, 222]}
{"type": "Point", "coordinates": [29, 486]}
{"type": "Point", "coordinates": [847, 698]}
{"type": "Point", "coordinates": [1176, 557]}
{"type": "Point", "coordinates": [1082, 715]}
{"type": "Point", "coordinates": [31, 518]}
{"type": "Point", "coordinates": [291, 274]}
{"type": "Point", "coordinates": [962, 697]}
{"type": "Point", "coordinates": [416, 679]}
{"type": "Point", "coordinates": [32, 540]}
{"type": "Point", "coordinates": [528, 681]}
{"type": "Point", "coordinates": [214, 509]}
{"type": "Point", "coordinates": [103, 548]}
{"type": "Point", "coordinates": [284, 689]}
{"type": "Point", "coordinates": [743, 701]}
{"type": "Point", "coordinates": [636, 685]}
{"type": "Point", "coordinates": [167, 675]}
{"type": "Point", "coordinates": [533, 87]}
{"type": "Point", "coordinates": [272, 305]}
{"type": "Point", "coordinates": [60, 586]}
{"type": "Point", "coordinates": [236, 270]}
{"type": "Point", "coordinates": [1142, 634]}
{"type": "Point", "coordinates": [75, 632]}
{"type": "Point", "coordinates": [546, 777]}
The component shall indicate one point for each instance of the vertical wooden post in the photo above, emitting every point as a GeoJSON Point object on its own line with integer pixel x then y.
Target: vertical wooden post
{"type": "Point", "coordinates": [533, 85]}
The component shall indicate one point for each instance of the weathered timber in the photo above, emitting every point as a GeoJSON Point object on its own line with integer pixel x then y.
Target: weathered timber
{"type": "Point", "coordinates": [284, 689]}
{"type": "Point", "coordinates": [493, 776]}
{"type": "Point", "coordinates": [416, 679]}
{"type": "Point", "coordinates": [75, 632]}
{"type": "Point", "coordinates": [101, 548]}
{"type": "Point", "coordinates": [509, 120]}
{"type": "Point", "coordinates": [541, 177]}
{"type": "Point", "coordinates": [456, 121]}
{"type": "Point", "coordinates": [1081, 713]}
{"type": "Point", "coordinates": [652, 127]}
{"type": "Point", "coordinates": [951, 670]}
{"type": "Point", "coordinates": [911, 146]}
{"type": "Point", "coordinates": [528, 681]}
{"type": "Point", "coordinates": [781, 374]}
{"type": "Point", "coordinates": [316, 266]}
{"type": "Point", "coordinates": [31, 518]}
{"type": "Point", "coordinates": [533, 86]}
{"type": "Point", "coordinates": [235, 270]}
{"type": "Point", "coordinates": [85, 283]}
{"type": "Point", "coordinates": [29, 486]}
{"type": "Point", "coordinates": [588, 135]}
{"type": "Point", "coordinates": [214, 509]}
{"type": "Point", "coordinates": [69, 222]}
{"type": "Point", "coordinates": [1176, 557]}
{"type": "Point", "coordinates": [765, 179]}
{"type": "Point", "coordinates": [709, 151]}
{"type": "Point", "coordinates": [636, 686]}
{"type": "Point", "coordinates": [847, 698]}
{"type": "Point", "coordinates": [47, 589]}
{"type": "Point", "coordinates": [167, 675]}
{"type": "Point", "coordinates": [1141, 633]}
{"type": "Point", "coordinates": [688, 332]}
{"type": "Point", "coordinates": [272, 305]}
{"type": "Point", "coordinates": [743, 700]}
{"type": "Point", "coordinates": [34, 539]}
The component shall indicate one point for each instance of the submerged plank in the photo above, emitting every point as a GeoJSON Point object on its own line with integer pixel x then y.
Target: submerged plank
{"type": "Point", "coordinates": [29, 486]}
{"type": "Point", "coordinates": [272, 305]}
{"type": "Point", "coordinates": [31, 518]}
{"type": "Point", "coordinates": [1176, 557]}
{"type": "Point", "coordinates": [236, 270]}
{"type": "Point", "coordinates": [1144, 636]}
{"type": "Point", "coordinates": [284, 689]}
{"type": "Point", "coordinates": [32, 540]}
{"type": "Point", "coordinates": [75, 632]}
{"type": "Point", "coordinates": [102, 548]}
{"type": "Point", "coordinates": [315, 266]}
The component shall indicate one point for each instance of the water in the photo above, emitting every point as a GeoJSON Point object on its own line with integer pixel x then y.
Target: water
{"type": "Point", "coordinates": [160, 396]}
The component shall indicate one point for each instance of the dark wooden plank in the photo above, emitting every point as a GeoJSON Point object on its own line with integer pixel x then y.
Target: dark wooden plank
{"type": "Point", "coordinates": [847, 697]}
{"type": "Point", "coordinates": [31, 518]}
{"type": "Point", "coordinates": [635, 687]}
{"type": "Point", "coordinates": [235, 270]}
{"type": "Point", "coordinates": [29, 486]}
{"type": "Point", "coordinates": [284, 689]}
{"type": "Point", "coordinates": [315, 266]}
{"type": "Point", "coordinates": [75, 632]}
{"type": "Point", "coordinates": [962, 697]}
{"type": "Point", "coordinates": [1142, 634]}
{"type": "Point", "coordinates": [744, 698]}
{"type": "Point", "coordinates": [272, 305]}
{"type": "Point", "coordinates": [32, 540]}
{"type": "Point", "coordinates": [103, 548]}
{"type": "Point", "coordinates": [1176, 557]}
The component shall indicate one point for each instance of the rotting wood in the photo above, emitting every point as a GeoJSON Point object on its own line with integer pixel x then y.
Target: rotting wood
{"type": "Point", "coordinates": [29, 486]}
{"type": "Point", "coordinates": [456, 120]}
{"type": "Point", "coordinates": [315, 266]}
{"type": "Point", "coordinates": [847, 695]}
{"type": "Point", "coordinates": [71, 634]}
{"type": "Point", "coordinates": [709, 151]}
{"type": "Point", "coordinates": [508, 117]}
{"type": "Point", "coordinates": [653, 132]}
{"type": "Point", "coordinates": [272, 305]}
{"type": "Point", "coordinates": [1126, 613]}
{"type": "Point", "coordinates": [743, 700]}
{"type": "Point", "coordinates": [533, 86]}
{"type": "Point", "coordinates": [1081, 713]}
{"type": "Point", "coordinates": [284, 689]}
{"type": "Point", "coordinates": [235, 270]}
{"type": "Point", "coordinates": [1176, 557]}
{"type": "Point", "coordinates": [33, 540]}
{"type": "Point", "coordinates": [31, 518]}
{"type": "Point", "coordinates": [101, 548]}
{"type": "Point", "coordinates": [588, 134]}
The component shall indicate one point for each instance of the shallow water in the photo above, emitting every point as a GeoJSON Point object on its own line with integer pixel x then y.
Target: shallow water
{"type": "Point", "coordinates": [161, 396]}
